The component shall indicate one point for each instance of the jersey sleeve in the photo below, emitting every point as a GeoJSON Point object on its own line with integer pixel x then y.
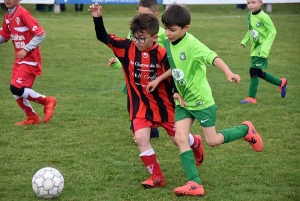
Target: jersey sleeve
{"type": "Point", "coordinates": [118, 45]}
{"type": "Point", "coordinates": [4, 31]}
{"type": "Point", "coordinates": [32, 24]}
{"type": "Point", "coordinates": [246, 39]}
{"type": "Point", "coordinates": [203, 54]}
{"type": "Point", "coordinates": [266, 45]}
{"type": "Point", "coordinates": [118, 64]}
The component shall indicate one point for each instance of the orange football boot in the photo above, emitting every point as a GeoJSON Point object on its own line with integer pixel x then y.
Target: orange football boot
{"type": "Point", "coordinates": [154, 181]}
{"type": "Point", "coordinates": [49, 108]}
{"type": "Point", "coordinates": [30, 120]}
{"type": "Point", "coordinates": [253, 137]}
{"type": "Point", "coordinates": [190, 188]}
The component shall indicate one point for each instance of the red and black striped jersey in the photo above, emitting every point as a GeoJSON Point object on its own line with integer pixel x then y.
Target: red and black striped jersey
{"type": "Point", "coordinates": [139, 68]}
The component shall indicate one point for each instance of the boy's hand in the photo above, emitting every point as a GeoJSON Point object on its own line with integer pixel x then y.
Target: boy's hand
{"type": "Point", "coordinates": [95, 10]}
{"type": "Point", "coordinates": [152, 85]}
{"type": "Point", "coordinates": [234, 77]}
{"type": "Point", "coordinates": [243, 46]}
{"type": "Point", "coordinates": [180, 99]}
{"type": "Point", "coordinates": [21, 54]}
{"type": "Point", "coordinates": [111, 61]}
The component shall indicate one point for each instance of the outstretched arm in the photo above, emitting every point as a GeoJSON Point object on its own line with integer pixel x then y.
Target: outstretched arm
{"type": "Point", "coordinates": [230, 76]}
{"type": "Point", "coordinates": [96, 12]}
{"type": "Point", "coordinates": [153, 84]}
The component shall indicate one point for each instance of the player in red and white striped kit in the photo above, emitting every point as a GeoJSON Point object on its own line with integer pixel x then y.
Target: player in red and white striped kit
{"type": "Point", "coordinates": [26, 34]}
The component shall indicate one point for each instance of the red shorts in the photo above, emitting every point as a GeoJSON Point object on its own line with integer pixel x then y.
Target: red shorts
{"type": "Point", "coordinates": [144, 123]}
{"type": "Point", "coordinates": [22, 79]}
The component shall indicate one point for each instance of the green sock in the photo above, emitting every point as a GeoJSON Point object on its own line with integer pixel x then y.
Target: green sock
{"type": "Point", "coordinates": [189, 166]}
{"type": "Point", "coordinates": [231, 134]}
{"type": "Point", "coordinates": [272, 79]}
{"type": "Point", "coordinates": [253, 87]}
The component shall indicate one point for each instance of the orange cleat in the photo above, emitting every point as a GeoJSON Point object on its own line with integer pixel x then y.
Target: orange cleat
{"type": "Point", "coordinates": [190, 188]}
{"type": "Point", "coordinates": [154, 181]}
{"type": "Point", "coordinates": [49, 108]}
{"type": "Point", "coordinates": [248, 100]}
{"type": "Point", "coordinates": [30, 120]}
{"type": "Point", "coordinates": [282, 87]}
{"type": "Point", "coordinates": [199, 151]}
{"type": "Point", "coordinates": [253, 137]}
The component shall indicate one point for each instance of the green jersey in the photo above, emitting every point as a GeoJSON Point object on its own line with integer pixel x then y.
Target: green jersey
{"type": "Point", "coordinates": [187, 60]}
{"type": "Point", "coordinates": [261, 32]}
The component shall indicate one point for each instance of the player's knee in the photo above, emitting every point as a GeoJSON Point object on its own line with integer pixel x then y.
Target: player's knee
{"type": "Point", "coordinates": [212, 142]}
{"type": "Point", "coordinates": [16, 91]}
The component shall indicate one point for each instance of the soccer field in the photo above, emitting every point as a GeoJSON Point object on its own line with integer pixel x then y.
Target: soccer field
{"type": "Point", "coordinates": [88, 139]}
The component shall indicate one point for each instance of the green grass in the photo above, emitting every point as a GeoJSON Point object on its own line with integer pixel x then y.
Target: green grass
{"type": "Point", "coordinates": [89, 141]}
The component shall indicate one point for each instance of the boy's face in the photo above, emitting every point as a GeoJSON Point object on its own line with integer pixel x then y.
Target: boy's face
{"type": "Point", "coordinates": [145, 10]}
{"type": "Point", "coordinates": [175, 32]}
{"type": "Point", "coordinates": [254, 5]}
{"type": "Point", "coordinates": [11, 3]}
{"type": "Point", "coordinates": [143, 40]}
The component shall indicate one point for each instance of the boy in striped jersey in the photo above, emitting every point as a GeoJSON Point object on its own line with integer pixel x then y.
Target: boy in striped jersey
{"type": "Point", "coordinates": [151, 7]}
{"type": "Point", "coordinates": [143, 60]}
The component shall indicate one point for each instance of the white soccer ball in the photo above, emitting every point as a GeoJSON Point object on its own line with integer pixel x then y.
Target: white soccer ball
{"type": "Point", "coordinates": [48, 182]}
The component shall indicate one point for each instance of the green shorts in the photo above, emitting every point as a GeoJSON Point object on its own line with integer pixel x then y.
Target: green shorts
{"type": "Point", "coordinates": [259, 62]}
{"type": "Point", "coordinates": [206, 117]}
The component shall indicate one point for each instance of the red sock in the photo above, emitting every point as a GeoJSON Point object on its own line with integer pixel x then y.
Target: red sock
{"type": "Point", "coordinates": [152, 165]}
{"type": "Point", "coordinates": [26, 108]}
{"type": "Point", "coordinates": [196, 143]}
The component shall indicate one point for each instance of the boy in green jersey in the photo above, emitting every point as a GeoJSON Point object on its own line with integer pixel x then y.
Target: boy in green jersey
{"type": "Point", "coordinates": [143, 7]}
{"type": "Point", "coordinates": [187, 57]}
{"type": "Point", "coordinates": [261, 32]}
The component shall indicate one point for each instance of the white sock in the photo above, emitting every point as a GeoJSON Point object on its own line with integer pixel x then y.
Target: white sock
{"type": "Point", "coordinates": [147, 153]}
{"type": "Point", "coordinates": [191, 139]}
{"type": "Point", "coordinates": [31, 93]}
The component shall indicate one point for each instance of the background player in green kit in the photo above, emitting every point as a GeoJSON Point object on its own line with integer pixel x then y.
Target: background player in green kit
{"type": "Point", "coordinates": [143, 7]}
{"type": "Point", "coordinates": [187, 57]}
{"type": "Point", "coordinates": [261, 32]}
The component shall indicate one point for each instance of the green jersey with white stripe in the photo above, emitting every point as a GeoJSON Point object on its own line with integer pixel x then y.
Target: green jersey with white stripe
{"type": "Point", "coordinates": [261, 32]}
{"type": "Point", "coordinates": [187, 61]}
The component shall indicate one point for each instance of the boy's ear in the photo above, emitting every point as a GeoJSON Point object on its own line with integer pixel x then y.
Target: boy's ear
{"type": "Point", "coordinates": [186, 28]}
{"type": "Point", "coordinates": [155, 37]}
{"type": "Point", "coordinates": [156, 14]}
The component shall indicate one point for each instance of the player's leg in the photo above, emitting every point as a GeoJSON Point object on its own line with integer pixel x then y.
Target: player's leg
{"type": "Point", "coordinates": [195, 143]}
{"type": "Point", "coordinates": [254, 81]}
{"type": "Point", "coordinates": [246, 130]}
{"type": "Point", "coordinates": [281, 83]}
{"type": "Point", "coordinates": [194, 185]}
{"type": "Point", "coordinates": [18, 83]}
{"type": "Point", "coordinates": [142, 128]}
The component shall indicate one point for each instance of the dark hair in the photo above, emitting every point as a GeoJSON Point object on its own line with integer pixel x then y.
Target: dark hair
{"type": "Point", "coordinates": [151, 4]}
{"type": "Point", "coordinates": [144, 22]}
{"type": "Point", "coordinates": [176, 15]}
